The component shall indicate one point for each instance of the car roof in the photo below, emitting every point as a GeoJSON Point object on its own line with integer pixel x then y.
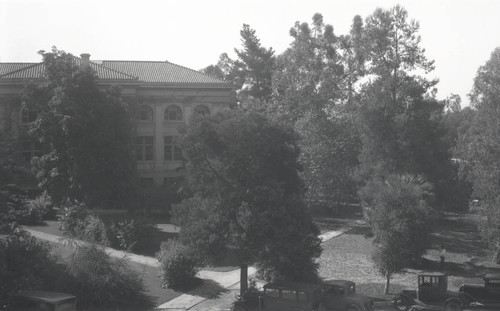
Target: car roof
{"type": "Point", "coordinates": [300, 286]}
{"type": "Point", "coordinates": [343, 283]}
{"type": "Point", "coordinates": [431, 273]}
{"type": "Point", "coordinates": [43, 296]}
{"type": "Point", "coordinates": [494, 276]}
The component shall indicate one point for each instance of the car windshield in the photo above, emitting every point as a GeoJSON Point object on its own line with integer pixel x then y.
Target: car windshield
{"type": "Point", "coordinates": [351, 290]}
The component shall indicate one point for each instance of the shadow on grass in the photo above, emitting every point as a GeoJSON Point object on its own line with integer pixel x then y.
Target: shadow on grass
{"type": "Point", "coordinates": [376, 290]}
{"type": "Point", "coordinates": [150, 243]}
{"type": "Point", "coordinates": [459, 234]}
{"type": "Point", "coordinates": [203, 288]}
{"type": "Point", "coordinates": [365, 231]}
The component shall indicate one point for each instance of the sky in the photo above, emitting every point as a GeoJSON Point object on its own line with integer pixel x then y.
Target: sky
{"type": "Point", "coordinates": [458, 34]}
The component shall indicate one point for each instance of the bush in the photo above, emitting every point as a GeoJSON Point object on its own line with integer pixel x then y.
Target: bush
{"type": "Point", "coordinates": [129, 234]}
{"type": "Point", "coordinates": [36, 210]}
{"type": "Point", "coordinates": [76, 221]}
{"type": "Point", "coordinates": [178, 265]}
{"type": "Point", "coordinates": [103, 282]}
{"type": "Point", "coordinates": [26, 263]}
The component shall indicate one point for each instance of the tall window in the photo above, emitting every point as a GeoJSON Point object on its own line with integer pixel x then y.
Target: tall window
{"type": "Point", "coordinates": [173, 113]}
{"type": "Point", "coordinates": [172, 151]}
{"type": "Point", "coordinates": [145, 113]}
{"type": "Point", "coordinates": [202, 109]}
{"type": "Point", "coordinates": [30, 149]}
{"type": "Point", "coordinates": [28, 115]}
{"type": "Point", "coordinates": [144, 148]}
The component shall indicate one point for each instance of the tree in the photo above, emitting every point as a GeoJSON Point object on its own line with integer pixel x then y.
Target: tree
{"type": "Point", "coordinates": [251, 72]}
{"type": "Point", "coordinates": [479, 147]}
{"type": "Point", "coordinates": [254, 66]}
{"type": "Point", "coordinates": [400, 216]}
{"type": "Point", "coordinates": [399, 117]}
{"type": "Point", "coordinates": [312, 94]}
{"type": "Point", "coordinates": [248, 196]}
{"type": "Point", "coordinates": [88, 134]}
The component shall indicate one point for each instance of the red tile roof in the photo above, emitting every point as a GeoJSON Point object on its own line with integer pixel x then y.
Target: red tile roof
{"type": "Point", "coordinates": [139, 71]}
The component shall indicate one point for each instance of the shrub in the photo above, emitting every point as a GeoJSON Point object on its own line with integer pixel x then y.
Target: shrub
{"type": "Point", "coordinates": [103, 282]}
{"type": "Point", "coordinates": [76, 221]}
{"type": "Point", "coordinates": [129, 234]}
{"type": "Point", "coordinates": [26, 263]}
{"type": "Point", "coordinates": [178, 265]}
{"type": "Point", "coordinates": [34, 211]}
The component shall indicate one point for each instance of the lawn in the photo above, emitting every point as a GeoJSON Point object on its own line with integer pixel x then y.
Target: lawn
{"type": "Point", "coordinates": [348, 256]}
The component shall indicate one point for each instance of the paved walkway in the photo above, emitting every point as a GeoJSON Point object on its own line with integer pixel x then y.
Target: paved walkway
{"type": "Point", "coordinates": [217, 281]}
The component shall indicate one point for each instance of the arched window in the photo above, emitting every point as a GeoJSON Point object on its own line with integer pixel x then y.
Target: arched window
{"type": "Point", "coordinates": [202, 110]}
{"type": "Point", "coordinates": [173, 113]}
{"type": "Point", "coordinates": [28, 115]}
{"type": "Point", "coordinates": [145, 113]}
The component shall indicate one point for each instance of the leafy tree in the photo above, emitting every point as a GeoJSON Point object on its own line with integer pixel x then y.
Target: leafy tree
{"type": "Point", "coordinates": [87, 132]}
{"type": "Point", "coordinates": [479, 147]}
{"type": "Point", "coordinates": [399, 117]}
{"type": "Point", "coordinates": [313, 89]}
{"type": "Point", "coordinates": [243, 170]}
{"type": "Point", "coordinates": [400, 215]}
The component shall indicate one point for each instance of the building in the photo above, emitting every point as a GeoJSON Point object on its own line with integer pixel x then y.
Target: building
{"type": "Point", "coordinates": [166, 95]}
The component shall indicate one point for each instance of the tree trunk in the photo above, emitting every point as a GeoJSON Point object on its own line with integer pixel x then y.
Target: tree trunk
{"type": "Point", "coordinates": [243, 279]}
{"type": "Point", "coordinates": [387, 282]}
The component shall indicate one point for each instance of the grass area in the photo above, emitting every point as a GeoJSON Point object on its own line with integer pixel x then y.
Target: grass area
{"type": "Point", "coordinates": [349, 257]}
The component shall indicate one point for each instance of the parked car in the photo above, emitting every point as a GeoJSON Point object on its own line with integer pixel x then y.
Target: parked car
{"type": "Point", "coordinates": [37, 300]}
{"type": "Point", "coordinates": [482, 296]}
{"type": "Point", "coordinates": [431, 294]}
{"type": "Point", "coordinates": [284, 296]}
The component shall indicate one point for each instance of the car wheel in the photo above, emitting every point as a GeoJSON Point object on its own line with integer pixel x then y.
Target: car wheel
{"type": "Point", "coordinates": [453, 305]}
{"type": "Point", "coordinates": [238, 306]}
{"type": "Point", "coordinates": [320, 307]}
{"type": "Point", "coordinates": [402, 303]}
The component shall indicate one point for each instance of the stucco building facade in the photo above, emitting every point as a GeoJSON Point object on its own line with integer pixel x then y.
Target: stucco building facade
{"type": "Point", "coordinates": [165, 96]}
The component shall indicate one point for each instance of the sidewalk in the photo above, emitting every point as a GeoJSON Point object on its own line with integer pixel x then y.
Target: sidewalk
{"type": "Point", "coordinates": [215, 282]}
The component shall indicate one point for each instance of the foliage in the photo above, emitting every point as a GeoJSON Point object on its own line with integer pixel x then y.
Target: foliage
{"type": "Point", "coordinates": [103, 282]}
{"type": "Point", "coordinates": [26, 263]}
{"type": "Point", "coordinates": [479, 149]}
{"type": "Point", "coordinates": [11, 195]}
{"type": "Point", "coordinates": [400, 120]}
{"type": "Point", "coordinates": [87, 159]}
{"type": "Point", "coordinates": [243, 170]}
{"type": "Point", "coordinates": [129, 234]}
{"type": "Point", "coordinates": [178, 264]}
{"type": "Point", "coordinates": [77, 221]}
{"type": "Point", "coordinates": [155, 198]}
{"type": "Point", "coordinates": [313, 87]}
{"type": "Point", "coordinates": [251, 72]}
{"type": "Point", "coordinates": [254, 66]}
{"type": "Point", "coordinates": [400, 215]}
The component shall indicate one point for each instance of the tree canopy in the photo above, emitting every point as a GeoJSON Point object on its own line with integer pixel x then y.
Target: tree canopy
{"type": "Point", "coordinates": [86, 132]}
{"type": "Point", "coordinates": [244, 172]}
{"type": "Point", "coordinates": [401, 218]}
{"type": "Point", "coordinates": [479, 147]}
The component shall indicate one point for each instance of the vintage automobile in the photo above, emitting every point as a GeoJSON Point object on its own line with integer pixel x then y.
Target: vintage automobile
{"type": "Point", "coordinates": [284, 296]}
{"type": "Point", "coordinates": [37, 300]}
{"type": "Point", "coordinates": [431, 294]}
{"type": "Point", "coordinates": [484, 297]}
